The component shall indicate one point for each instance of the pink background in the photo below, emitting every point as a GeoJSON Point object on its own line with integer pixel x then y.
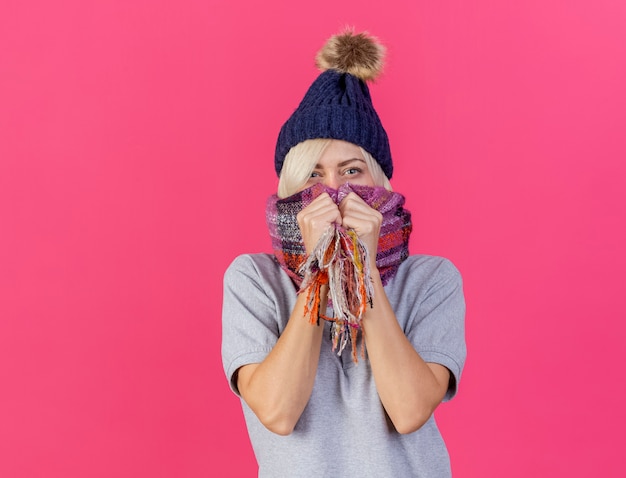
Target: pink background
{"type": "Point", "coordinates": [136, 149]}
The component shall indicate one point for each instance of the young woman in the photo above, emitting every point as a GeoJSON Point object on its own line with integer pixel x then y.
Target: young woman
{"type": "Point", "coordinates": [291, 319]}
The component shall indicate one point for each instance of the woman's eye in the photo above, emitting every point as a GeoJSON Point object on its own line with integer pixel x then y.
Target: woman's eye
{"type": "Point", "coordinates": [352, 171]}
{"type": "Point", "coordinates": [315, 174]}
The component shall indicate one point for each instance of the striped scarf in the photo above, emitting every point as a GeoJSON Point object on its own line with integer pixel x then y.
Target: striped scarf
{"type": "Point", "coordinates": [339, 259]}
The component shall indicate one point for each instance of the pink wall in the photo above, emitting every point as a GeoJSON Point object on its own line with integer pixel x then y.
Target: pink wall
{"type": "Point", "coordinates": [136, 146]}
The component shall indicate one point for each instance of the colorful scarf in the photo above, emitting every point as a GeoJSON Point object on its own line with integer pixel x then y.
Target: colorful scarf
{"type": "Point", "coordinates": [339, 259]}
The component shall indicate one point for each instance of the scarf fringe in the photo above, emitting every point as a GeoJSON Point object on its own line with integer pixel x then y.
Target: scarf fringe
{"type": "Point", "coordinates": [339, 260]}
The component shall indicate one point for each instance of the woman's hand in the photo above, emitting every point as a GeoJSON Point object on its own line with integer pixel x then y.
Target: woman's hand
{"type": "Point", "coordinates": [315, 219]}
{"type": "Point", "coordinates": [358, 215]}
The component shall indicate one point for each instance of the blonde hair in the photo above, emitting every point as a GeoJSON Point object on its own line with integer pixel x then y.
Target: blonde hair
{"type": "Point", "coordinates": [301, 160]}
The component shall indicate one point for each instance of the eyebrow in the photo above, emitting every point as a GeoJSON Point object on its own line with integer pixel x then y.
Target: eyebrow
{"type": "Point", "coordinates": [343, 163]}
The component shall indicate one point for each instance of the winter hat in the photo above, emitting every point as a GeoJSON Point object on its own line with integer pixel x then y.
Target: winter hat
{"type": "Point", "coordinates": [338, 104]}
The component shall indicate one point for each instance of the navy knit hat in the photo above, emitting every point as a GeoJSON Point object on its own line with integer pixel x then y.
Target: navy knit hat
{"type": "Point", "coordinates": [338, 104]}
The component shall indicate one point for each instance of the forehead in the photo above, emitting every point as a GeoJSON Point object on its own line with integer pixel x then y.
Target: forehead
{"type": "Point", "coordinates": [338, 151]}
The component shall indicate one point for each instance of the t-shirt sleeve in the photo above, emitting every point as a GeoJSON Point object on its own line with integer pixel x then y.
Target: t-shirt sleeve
{"type": "Point", "coordinates": [437, 329]}
{"type": "Point", "coordinates": [249, 325]}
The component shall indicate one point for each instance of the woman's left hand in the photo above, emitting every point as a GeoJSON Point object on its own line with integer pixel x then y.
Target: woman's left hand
{"type": "Point", "coordinates": [358, 215]}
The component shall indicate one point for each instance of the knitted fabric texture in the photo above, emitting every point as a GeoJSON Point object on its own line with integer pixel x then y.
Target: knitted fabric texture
{"type": "Point", "coordinates": [339, 259]}
{"type": "Point", "coordinates": [337, 106]}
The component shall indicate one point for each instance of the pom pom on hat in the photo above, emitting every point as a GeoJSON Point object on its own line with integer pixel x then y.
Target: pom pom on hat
{"type": "Point", "coordinates": [357, 54]}
{"type": "Point", "coordinates": [338, 104]}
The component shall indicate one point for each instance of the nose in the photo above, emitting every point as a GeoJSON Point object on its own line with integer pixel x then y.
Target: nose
{"type": "Point", "coordinates": [332, 181]}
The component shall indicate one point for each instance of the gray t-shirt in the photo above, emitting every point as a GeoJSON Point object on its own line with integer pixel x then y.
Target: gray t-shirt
{"type": "Point", "coordinates": [344, 430]}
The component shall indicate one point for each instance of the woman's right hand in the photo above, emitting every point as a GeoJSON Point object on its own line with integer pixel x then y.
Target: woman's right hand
{"type": "Point", "coordinates": [315, 219]}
